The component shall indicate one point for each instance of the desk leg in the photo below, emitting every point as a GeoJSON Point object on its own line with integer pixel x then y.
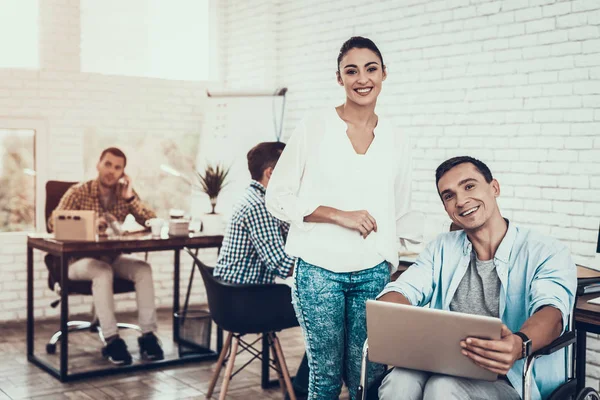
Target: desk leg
{"type": "Point", "coordinates": [264, 376]}
{"type": "Point", "coordinates": [580, 362]}
{"type": "Point", "coordinates": [64, 317]}
{"type": "Point", "coordinates": [29, 301]}
{"type": "Point", "coordinates": [176, 295]}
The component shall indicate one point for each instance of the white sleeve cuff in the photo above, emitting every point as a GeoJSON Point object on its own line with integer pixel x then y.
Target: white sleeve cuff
{"type": "Point", "coordinates": [298, 218]}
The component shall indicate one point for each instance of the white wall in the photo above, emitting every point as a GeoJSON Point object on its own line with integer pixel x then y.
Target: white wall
{"type": "Point", "coordinates": [515, 83]}
{"type": "Point", "coordinates": [70, 102]}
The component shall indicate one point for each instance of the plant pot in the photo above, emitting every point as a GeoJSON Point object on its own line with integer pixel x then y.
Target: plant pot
{"type": "Point", "coordinates": [213, 224]}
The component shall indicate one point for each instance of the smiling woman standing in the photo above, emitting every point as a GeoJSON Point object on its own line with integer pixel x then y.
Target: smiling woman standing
{"type": "Point", "coordinates": [342, 182]}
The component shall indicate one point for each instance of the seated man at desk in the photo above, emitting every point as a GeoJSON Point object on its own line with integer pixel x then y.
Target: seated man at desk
{"type": "Point", "coordinates": [253, 246]}
{"type": "Point", "coordinates": [112, 193]}
{"type": "Point", "coordinates": [491, 267]}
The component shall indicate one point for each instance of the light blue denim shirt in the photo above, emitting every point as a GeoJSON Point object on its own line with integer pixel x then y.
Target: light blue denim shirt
{"type": "Point", "coordinates": [534, 271]}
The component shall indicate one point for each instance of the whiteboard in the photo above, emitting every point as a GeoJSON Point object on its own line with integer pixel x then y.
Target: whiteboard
{"type": "Point", "coordinates": [232, 126]}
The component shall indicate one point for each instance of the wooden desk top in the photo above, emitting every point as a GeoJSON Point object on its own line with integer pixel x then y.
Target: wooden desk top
{"type": "Point", "coordinates": [131, 243]}
{"type": "Point", "coordinates": [584, 311]}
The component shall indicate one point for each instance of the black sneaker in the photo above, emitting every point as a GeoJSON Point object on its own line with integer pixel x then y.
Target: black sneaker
{"type": "Point", "coordinates": [150, 347]}
{"type": "Point", "coordinates": [116, 352]}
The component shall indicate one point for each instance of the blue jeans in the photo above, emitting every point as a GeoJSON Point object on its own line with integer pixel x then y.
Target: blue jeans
{"type": "Point", "coordinates": [331, 310]}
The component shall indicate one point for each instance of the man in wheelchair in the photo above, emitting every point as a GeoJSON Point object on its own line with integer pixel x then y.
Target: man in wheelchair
{"type": "Point", "coordinates": [491, 267]}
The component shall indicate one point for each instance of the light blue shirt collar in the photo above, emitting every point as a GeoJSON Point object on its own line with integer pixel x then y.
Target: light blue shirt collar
{"type": "Point", "coordinates": [503, 251]}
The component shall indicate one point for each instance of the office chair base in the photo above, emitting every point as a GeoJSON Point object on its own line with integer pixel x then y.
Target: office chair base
{"type": "Point", "coordinates": [74, 326]}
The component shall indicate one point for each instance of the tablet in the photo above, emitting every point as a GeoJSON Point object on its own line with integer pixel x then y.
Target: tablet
{"type": "Point", "coordinates": [426, 339]}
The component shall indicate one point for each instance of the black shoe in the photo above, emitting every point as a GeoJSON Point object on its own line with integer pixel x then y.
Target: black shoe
{"type": "Point", "coordinates": [150, 347]}
{"type": "Point", "coordinates": [116, 352]}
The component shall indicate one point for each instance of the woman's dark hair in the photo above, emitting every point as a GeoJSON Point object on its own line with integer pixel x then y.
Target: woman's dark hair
{"type": "Point", "coordinates": [358, 42]}
{"type": "Point", "coordinates": [263, 156]}
{"type": "Point", "coordinates": [453, 162]}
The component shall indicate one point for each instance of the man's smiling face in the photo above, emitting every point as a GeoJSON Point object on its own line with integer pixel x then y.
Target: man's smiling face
{"type": "Point", "coordinates": [469, 200]}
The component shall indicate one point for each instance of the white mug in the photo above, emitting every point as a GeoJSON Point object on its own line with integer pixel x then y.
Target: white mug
{"type": "Point", "coordinates": [155, 225]}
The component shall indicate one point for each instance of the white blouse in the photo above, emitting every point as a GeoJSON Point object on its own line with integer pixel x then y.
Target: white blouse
{"type": "Point", "coordinates": [319, 167]}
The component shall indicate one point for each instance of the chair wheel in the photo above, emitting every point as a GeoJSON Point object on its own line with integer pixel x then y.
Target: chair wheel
{"type": "Point", "coordinates": [50, 348]}
{"type": "Point", "coordinates": [588, 394]}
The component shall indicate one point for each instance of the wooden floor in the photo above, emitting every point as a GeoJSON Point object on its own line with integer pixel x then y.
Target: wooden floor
{"type": "Point", "coordinates": [20, 379]}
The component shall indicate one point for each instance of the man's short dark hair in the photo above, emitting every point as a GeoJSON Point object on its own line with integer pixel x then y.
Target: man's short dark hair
{"type": "Point", "coordinates": [115, 152]}
{"type": "Point", "coordinates": [453, 162]}
{"type": "Point", "coordinates": [263, 156]}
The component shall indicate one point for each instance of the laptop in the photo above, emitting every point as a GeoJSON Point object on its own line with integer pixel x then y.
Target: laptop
{"type": "Point", "coordinates": [426, 339]}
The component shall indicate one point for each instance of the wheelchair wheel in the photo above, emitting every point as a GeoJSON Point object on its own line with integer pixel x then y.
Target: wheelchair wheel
{"type": "Point", "coordinates": [588, 394]}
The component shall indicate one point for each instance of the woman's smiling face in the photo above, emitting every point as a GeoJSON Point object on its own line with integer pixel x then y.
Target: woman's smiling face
{"type": "Point", "coordinates": [361, 74]}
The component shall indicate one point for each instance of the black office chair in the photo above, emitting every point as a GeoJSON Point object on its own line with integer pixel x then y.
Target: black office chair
{"type": "Point", "coordinates": [248, 309]}
{"type": "Point", "coordinates": [566, 391]}
{"type": "Point", "coordinates": [54, 192]}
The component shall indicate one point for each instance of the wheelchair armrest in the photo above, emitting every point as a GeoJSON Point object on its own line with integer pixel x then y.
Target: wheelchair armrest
{"type": "Point", "coordinates": [562, 341]}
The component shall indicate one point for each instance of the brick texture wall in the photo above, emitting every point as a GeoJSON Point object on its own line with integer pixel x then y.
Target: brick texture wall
{"type": "Point", "coordinates": [515, 83]}
{"type": "Point", "coordinates": [71, 103]}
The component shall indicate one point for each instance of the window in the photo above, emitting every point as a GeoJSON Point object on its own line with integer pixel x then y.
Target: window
{"type": "Point", "coordinates": [152, 38]}
{"type": "Point", "coordinates": [23, 166]}
{"type": "Point", "coordinates": [19, 19]}
{"type": "Point", "coordinates": [17, 180]}
{"type": "Point", "coordinates": [145, 155]}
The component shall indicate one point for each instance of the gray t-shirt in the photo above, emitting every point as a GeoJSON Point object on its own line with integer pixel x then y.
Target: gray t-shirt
{"type": "Point", "coordinates": [479, 290]}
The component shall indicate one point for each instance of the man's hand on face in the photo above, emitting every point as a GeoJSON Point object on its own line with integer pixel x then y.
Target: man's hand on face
{"type": "Point", "coordinates": [127, 191]}
{"type": "Point", "coordinates": [494, 355]}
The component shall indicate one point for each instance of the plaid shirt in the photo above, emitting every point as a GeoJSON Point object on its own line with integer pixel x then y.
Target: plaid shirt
{"type": "Point", "coordinates": [253, 246]}
{"type": "Point", "coordinates": [86, 196]}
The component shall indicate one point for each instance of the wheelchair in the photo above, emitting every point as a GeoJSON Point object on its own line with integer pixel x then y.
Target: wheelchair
{"type": "Point", "coordinates": [566, 391]}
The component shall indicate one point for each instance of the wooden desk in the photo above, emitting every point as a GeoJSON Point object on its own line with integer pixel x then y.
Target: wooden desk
{"type": "Point", "coordinates": [587, 319]}
{"type": "Point", "coordinates": [126, 244]}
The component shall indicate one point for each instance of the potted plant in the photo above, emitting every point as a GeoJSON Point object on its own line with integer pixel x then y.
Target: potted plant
{"type": "Point", "coordinates": [212, 181]}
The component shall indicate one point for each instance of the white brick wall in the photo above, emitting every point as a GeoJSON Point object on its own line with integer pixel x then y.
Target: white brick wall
{"type": "Point", "coordinates": [515, 83]}
{"type": "Point", "coordinates": [72, 103]}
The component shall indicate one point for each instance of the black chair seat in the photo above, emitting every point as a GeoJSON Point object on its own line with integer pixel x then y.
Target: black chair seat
{"type": "Point", "coordinates": [85, 287]}
{"type": "Point", "coordinates": [247, 308]}
{"type": "Point", "coordinates": [81, 287]}
{"type": "Point", "coordinates": [250, 308]}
